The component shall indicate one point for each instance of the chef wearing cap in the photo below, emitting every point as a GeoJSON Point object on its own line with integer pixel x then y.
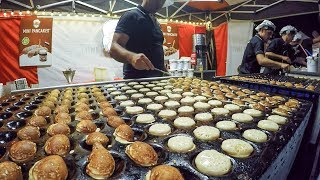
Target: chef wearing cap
{"type": "Point", "coordinates": [254, 57]}
{"type": "Point", "coordinates": [280, 49]}
{"type": "Point", "coordinates": [138, 40]}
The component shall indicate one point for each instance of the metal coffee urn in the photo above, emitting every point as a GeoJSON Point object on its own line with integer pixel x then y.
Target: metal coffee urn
{"type": "Point", "coordinates": [199, 46]}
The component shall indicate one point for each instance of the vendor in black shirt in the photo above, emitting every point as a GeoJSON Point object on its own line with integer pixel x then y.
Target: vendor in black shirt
{"type": "Point", "coordinates": [280, 49]}
{"type": "Point", "coordinates": [254, 57]}
{"type": "Point", "coordinates": [137, 41]}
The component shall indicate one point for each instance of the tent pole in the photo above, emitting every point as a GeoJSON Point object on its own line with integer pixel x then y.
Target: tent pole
{"type": "Point", "coordinates": [31, 3]}
{"type": "Point", "coordinates": [275, 3]}
{"type": "Point", "coordinates": [289, 15]}
{"type": "Point", "coordinates": [179, 9]}
{"type": "Point", "coordinates": [53, 4]}
{"type": "Point", "coordinates": [231, 10]}
{"type": "Point", "coordinates": [20, 4]}
{"type": "Point", "coordinates": [123, 10]}
{"type": "Point", "coordinates": [92, 7]}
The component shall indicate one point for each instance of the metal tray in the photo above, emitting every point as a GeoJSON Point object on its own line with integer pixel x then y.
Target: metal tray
{"type": "Point", "coordinates": [15, 110]}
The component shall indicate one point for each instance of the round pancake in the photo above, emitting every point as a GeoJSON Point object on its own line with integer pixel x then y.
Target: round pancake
{"type": "Point", "coordinates": [277, 119]}
{"type": "Point", "coordinates": [158, 129]}
{"type": "Point", "coordinates": [220, 111]}
{"type": "Point", "coordinates": [213, 163]}
{"type": "Point", "coordinates": [181, 144]}
{"type": "Point", "coordinates": [242, 117]}
{"type": "Point", "coordinates": [237, 148]}
{"type": "Point", "coordinates": [253, 112]}
{"type": "Point", "coordinates": [215, 103]}
{"type": "Point", "coordinates": [232, 107]}
{"type": "Point", "coordinates": [203, 117]}
{"type": "Point", "coordinates": [184, 122]}
{"type": "Point", "coordinates": [206, 133]}
{"type": "Point", "coordinates": [226, 125]}
{"type": "Point", "coordinates": [255, 135]}
{"type": "Point", "coordinates": [145, 118]}
{"type": "Point", "coordinates": [268, 125]}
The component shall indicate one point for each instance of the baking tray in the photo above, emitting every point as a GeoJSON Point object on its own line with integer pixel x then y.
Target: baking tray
{"type": "Point", "coordinates": [16, 109]}
{"type": "Point", "coordinates": [283, 90]}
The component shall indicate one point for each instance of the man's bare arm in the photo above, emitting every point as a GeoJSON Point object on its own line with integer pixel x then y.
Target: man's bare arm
{"type": "Point", "coordinates": [266, 62]}
{"type": "Point", "coordinates": [278, 56]}
{"type": "Point", "coordinates": [118, 51]}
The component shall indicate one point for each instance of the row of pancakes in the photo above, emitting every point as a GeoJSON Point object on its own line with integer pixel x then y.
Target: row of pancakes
{"type": "Point", "coordinates": [275, 82]}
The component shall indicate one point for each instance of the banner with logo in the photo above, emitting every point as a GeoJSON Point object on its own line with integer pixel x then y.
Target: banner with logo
{"type": "Point", "coordinates": [171, 41]}
{"type": "Point", "coordinates": [35, 44]}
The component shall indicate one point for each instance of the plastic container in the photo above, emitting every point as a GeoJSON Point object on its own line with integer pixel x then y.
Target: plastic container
{"type": "Point", "coordinates": [184, 73]}
{"type": "Point", "coordinates": [179, 64]}
{"type": "Point", "coordinates": [312, 64]}
{"type": "Point", "coordinates": [179, 72]}
{"type": "Point", "coordinates": [190, 73]}
{"type": "Point", "coordinates": [100, 74]}
{"type": "Point", "coordinates": [186, 63]}
{"type": "Point", "coordinates": [173, 64]}
{"type": "Point", "coordinates": [173, 72]}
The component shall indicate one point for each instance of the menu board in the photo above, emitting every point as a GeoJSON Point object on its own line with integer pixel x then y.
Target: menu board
{"type": "Point", "coordinates": [171, 41]}
{"type": "Point", "coordinates": [35, 45]}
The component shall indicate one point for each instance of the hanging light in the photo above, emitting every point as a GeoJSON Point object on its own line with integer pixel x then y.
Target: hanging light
{"type": "Point", "coordinates": [12, 13]}
{"type": "Point", "coordinates": [20, 13]}
{"type": "Point", "coordinates": [5, 13]}
{"type": "Point", "coordinates": [43, 13]}
{"type": "Point", "coordinates": [100, 15]}
{"type": "Point", "coordinates": [60, 14]}
{"type": "Point", "coordinates": [51, 13]}
{"type": "Point", "coordinates": [28, 12]}
{"type": "Point", "coordinates": [77, 15]}
{"type": "Point", "coordinates": [85, 15]}
{"type": "Point", "coordinates": [68, 14]}
{"type": "Point", "coordinates": [92, 15]}
{"type": "Point", "coordinates": [35, 12]}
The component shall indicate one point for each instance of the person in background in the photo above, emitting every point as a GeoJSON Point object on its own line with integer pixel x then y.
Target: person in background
{"type": "Point", "coordinates": [138, 41]}
{"type": "Point", "coordinates": [254, 57]}
{"type": "Point", "coordinates": [280, 49]}
{"type": "Point", "coordinates": [298, 42]}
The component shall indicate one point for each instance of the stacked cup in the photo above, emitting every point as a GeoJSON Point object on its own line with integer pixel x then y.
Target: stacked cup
{"type": "Point", "coordinates": [181, 67]}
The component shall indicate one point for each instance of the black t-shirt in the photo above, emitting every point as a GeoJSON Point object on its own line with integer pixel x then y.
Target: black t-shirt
{"type": "Point", "coordinates": [280, 47]}
{"type": "Point", "coordinates": [145, 36]}
{"type": "Point", "coordinates": [249, 61]}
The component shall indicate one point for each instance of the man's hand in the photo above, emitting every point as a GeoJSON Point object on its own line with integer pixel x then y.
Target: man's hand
{"type": "Point", "coordinates": [287, 59]}
{"type": "Point", "coordinates": [285, 67]}
{"type": "Point", "coordinates": [141, 62]}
